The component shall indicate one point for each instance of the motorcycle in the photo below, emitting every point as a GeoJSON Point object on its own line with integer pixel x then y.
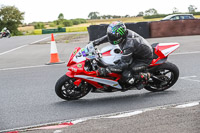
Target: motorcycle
{"type": "Point", "coordinates": [82, 77]}
{"type": "Point", "coordinates": [5, 34]}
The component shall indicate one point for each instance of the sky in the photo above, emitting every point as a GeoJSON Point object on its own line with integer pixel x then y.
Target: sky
{"type": "Point", "coordinates": [48, 10]}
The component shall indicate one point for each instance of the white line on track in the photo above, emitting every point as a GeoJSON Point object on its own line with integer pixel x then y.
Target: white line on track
{"type": "Point", "coordinates": [193, 80]}
{"type": "Point", "coordinates": [41, 40]}
{"type": "Point", "coordinates": [18, 68]}
{"type": "Point", "coordinates": [23, 46]}
{"type": "Point", "coordinates": [194, 52]}
{"type": "Point", "coordinates": [188, 105]}
{"type": "Point", "coordinates": [189, 78]}
{"type": "Point", "coordinates": [186, 77]}
{"type": "Point", "coordinates": [13, 49]}
{"type": "Point", "coordinates": [127, 114]}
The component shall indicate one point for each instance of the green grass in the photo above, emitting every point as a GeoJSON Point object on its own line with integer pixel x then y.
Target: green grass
{"type": "Point", "coordinates": [126, 20]}
{"type": "Point", "coordinates": [83, 27]}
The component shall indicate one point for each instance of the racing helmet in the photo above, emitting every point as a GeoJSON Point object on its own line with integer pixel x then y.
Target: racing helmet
{"type": "Point", "coordinates": [116, 32]}
{"type": "Point", "coordinates": [4, 28]}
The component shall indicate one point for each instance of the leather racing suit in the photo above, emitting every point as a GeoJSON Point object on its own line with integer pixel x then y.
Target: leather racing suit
{"type": "Point", "coordinates": [137, 54]}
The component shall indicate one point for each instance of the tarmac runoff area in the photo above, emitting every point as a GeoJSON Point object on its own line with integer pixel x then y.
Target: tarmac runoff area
{"type": "Point", "coordinates": [175, 118]}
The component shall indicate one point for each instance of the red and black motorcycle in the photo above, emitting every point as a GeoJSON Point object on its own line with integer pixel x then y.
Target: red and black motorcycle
{"type": "Point", "coordinates": [82, 76]}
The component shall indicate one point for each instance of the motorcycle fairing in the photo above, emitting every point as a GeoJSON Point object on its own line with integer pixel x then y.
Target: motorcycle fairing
{"type": "Point", "coordinates": [110, 54]}
{"type": "Point", "coordinates": [163, 50]}
{"type": "Point", "coordinates": [77, 71]}
{"type": "Point", "coordinates": [167, 48]}
{"type": "Point", "coordinates": [100, 80]}
{"type": "Point", "coordinates": [76, 50]}
{"type": "Point", "coordinates": [77, 68]}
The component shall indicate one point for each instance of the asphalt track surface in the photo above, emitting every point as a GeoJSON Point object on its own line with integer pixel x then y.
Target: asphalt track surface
{"type": "Point", "coordinates": [27, 94]}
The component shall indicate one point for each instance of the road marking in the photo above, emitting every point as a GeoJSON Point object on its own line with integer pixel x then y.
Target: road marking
{"type": "Point", "coordinates": [13, 49]}
{"type": "Point", "coordinates": [189, 78]}
{"type": "Point", "coordinates": [194, 52]}
{"type": "Point", "coordinates": [62, 125]}
{"type": "Point", "coordinates": [41, 39]}
{"type": "Point", "coordinates": [18, 68]}
{"type": "Point", "coordinates": [187, 105]}
{"type": "Point", "coordinates": [127, 114]}
{"type": "Point", "coordinates": [186, 77]}
{"type": "Point", "coordinates": [58, 131]}
{"type": "Point", "coordinates": [23, 46]}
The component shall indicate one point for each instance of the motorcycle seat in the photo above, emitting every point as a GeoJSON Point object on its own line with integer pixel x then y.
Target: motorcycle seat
{"type": "Point", "coordinates": [153, 46]}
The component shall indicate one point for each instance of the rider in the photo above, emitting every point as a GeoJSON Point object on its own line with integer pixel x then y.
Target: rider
{"type": "Point", "coordinates": [137, 54]}
{"type": "Point", "coordinates": [5, 31]}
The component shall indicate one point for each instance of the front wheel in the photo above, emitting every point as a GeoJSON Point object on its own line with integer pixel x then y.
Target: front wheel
{"type": "Point", "coordinates": [163, 77]}
{"type": "Point", "coordinates": [66, 89]}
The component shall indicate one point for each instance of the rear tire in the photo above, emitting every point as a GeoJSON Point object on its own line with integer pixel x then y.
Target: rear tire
{"type": "Point", "coordinates": [168, 73]}
{"type": "Point", "coordinates": [66, 89]}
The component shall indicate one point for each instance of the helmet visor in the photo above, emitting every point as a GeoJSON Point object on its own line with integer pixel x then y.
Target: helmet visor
{"type": "Point", "coordinates": [114, 38]}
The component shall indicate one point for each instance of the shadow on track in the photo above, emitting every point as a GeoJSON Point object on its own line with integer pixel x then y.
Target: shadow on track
{"type": "Point", "coordinates": [148, 97]}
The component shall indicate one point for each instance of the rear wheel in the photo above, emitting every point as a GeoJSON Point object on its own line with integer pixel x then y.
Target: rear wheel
{"type": "Point", "coordinates": [66, 89]}
{"type": "Point", "coordinates": [163, 77]}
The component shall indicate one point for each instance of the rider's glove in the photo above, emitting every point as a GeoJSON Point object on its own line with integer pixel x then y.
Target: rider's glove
{"type": "Point", "coordinates": [103, 71]}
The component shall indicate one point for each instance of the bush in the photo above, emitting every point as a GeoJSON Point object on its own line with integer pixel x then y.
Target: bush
{"type": "Point", "coordinates": [155, 16]}
{"type": "Point", "coordinates": [59, 27]}
{"type": "Point", "coordinates": [17, 33]}
{"type": "Point", "coordinates": [56, 22]}
{"type": "Point", "coordinates": [76, 21]}
{"type": "Point", "coordinates": [82, 20]}
{"type": "Point", "coordinates": [39, 26]}
{"type": "Point", "coordinates": [52, 25]}
{"type": "Point", "coordinates": [196, 13]}
{"type": "Point", "coordinates": [67, 23]}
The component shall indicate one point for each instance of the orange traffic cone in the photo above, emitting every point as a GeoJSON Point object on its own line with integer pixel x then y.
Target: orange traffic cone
{"type": "Point", "coordinates": [54, 59]}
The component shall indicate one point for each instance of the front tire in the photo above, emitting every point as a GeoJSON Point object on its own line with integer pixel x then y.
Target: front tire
{"type": "Point", "coordinates": [66, 89]}
{"type": "Point", "coordinates": [165, 75]}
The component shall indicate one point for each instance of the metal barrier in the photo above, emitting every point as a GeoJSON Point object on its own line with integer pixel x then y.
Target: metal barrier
{"type": "Point", "coordinates": [175, 28]}
{"type": "Point", "coordinates": [48, 31]}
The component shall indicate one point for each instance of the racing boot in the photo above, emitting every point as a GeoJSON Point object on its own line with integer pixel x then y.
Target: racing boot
{"type": "Point", "coordinates": [142, 80]}
{"type": "Point", "coordinates": [145, 76]}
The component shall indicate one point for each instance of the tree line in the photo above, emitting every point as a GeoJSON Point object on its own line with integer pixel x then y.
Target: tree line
{"type": "Point", "coordinates": [150, 13]}
{"type": "Point", "coordinates": [153, 13]}
{"type": "Point", "coordinates": [95, 15]}
{"type": "Point", "coordinates": [60, 22]}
